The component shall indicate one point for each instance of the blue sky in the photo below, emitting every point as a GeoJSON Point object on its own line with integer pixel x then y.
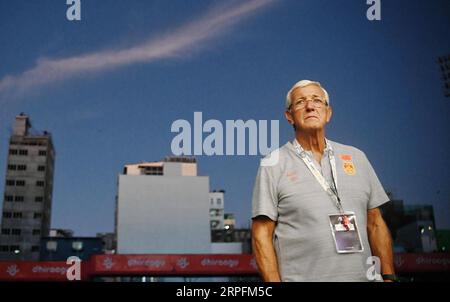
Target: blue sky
{"type": "Point", "coordinates": [109, 87]}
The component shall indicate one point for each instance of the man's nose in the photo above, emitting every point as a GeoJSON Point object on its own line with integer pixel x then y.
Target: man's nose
{"type": "Point", "coordinates": [309, 106]}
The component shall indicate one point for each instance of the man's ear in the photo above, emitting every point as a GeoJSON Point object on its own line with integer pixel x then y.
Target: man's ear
{"type": "Point", "coordinates": [288, 116]}
{"type": "Point", "coordinates": [329, 113]}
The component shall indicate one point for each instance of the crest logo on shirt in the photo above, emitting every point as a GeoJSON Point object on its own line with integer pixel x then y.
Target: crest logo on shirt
{"type": "Point", "coordinates": [346, 157]}
{"type": "Point", "coordinates": [292, 176]}
{"type": "Point", "coordinates": [349, 168]}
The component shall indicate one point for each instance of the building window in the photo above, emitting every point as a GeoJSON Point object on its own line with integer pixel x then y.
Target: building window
{"type": "Point", "coordinates": [12, 151]}
{"type": "Point", "coordinates": [15, 249]}
{"type": "Point", "coordinates": [10, 182]}
{"type": "Point", "coordinates": [16, 232]}
{"type": "Point", "coordinates": [20, 183]}
{"type": "Point", "coordinates": [23, 152]}
{"type": "Point", "coordinates": [77, 246]}
{"type": "Point", "coordinates": [6, 231]}
{"type": "Point", "coordinates": [37, 215]}
{"type": "Point", "coordinates": [17, 215]}
{"type": "Point", "coordinates": [214, 212]}
{"type": "Point", "coordinates": [12, 167]}
{"type": "Point", "coordinates": [39, 199]}
{"type": "Point", "coordinates": [40, 183]}
{"type": "Point", "coordinates": [219, 201]}
{"type": "Point", "coordinates": [9, 198]}
{"type": "Point", "coordinates": [42, 153]}
{"type": "Point", "coordinates": [19, 198]}
{"type": "Point", "coordinates": [22, 167]}
{"type": "Point", "coordinates": [41, 168]}
{"type": "Point", "coordinates": [7, 214]}
{"type": "Point", "coordinates": [214, 224]}
{"type": "Point", "coordinates": [52, 246]}
{"type": "Point", "coordinates": [211, 201]}
{"type": "Point", "coordinates": [35, 248]}
{"type": "Point", "coordinates": [36, 232]}
{"type": "Point", "coordinates": [153, 170]}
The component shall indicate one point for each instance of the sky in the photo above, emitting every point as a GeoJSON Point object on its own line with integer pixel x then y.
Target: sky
{"type": "Point", "coordinates": [109, 87]}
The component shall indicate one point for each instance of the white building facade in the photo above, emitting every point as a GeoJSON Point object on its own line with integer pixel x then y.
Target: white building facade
{"type": "Point", "coordinates": [162, 208]}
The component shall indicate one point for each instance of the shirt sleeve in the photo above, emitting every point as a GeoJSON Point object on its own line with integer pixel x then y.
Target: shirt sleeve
{"type": "Point", "coordinates": [377, 194]}
{"type": "Point", "coordinates": [265, 201]}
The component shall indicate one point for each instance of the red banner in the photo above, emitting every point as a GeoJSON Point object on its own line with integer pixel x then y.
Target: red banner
{"type": "Point", "coordinates": [418, 263]}
{"type": "Point", "coordinates": [205, 264]}
{"type": "Point", "coordinates": [35, 271]}
{"type": "Point", "coordinates": [182, 264]}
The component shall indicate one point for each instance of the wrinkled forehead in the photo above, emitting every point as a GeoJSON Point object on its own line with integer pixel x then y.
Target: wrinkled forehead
{"type": "Point", "coordinates": [307, 91]}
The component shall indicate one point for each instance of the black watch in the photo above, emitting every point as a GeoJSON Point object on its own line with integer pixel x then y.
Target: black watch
{"type": "Point", "coordinates": [391, 277]}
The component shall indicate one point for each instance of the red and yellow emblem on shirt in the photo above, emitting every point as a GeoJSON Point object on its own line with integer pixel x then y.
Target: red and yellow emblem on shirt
{"type": "Point", "coordinates": [349, 167]}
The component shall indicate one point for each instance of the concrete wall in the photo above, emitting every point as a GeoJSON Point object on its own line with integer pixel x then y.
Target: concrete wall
{"type": "Point", "coordinates": [226, 248]}
{"type": "Point", "coordinates": [163, 214]}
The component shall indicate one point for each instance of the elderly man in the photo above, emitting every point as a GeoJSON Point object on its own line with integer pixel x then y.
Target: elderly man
{"type": "Point", "coordinates": [315, 211]}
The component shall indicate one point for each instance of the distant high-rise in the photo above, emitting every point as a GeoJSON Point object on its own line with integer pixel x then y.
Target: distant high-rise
{"type": "Point", "coordinates": [27, 199]}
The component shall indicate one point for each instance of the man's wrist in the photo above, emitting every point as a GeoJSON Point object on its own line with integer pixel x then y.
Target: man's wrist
{"type": "Point", "coordinates": [390, 277]}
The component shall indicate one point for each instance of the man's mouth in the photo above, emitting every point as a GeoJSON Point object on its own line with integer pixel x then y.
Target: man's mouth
{"type": "Point", "coordinates": [308, 117]}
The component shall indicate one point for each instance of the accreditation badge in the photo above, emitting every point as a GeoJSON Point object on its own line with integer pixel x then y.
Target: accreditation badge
{"type": "Point", "coordinates": [345, 233]}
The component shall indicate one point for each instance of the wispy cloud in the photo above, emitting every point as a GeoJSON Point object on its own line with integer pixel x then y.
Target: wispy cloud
{"type": "Point", "coordinates": [82, 116]}
{"type": "Point", "coordinates": [181, 41]}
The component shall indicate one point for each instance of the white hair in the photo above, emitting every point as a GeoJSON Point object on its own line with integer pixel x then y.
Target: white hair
{"type": "Point", "coordinates": [304, 83]}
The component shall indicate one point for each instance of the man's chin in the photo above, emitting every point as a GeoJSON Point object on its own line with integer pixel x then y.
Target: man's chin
{"type": "Point", "coordinates": [311, 125]}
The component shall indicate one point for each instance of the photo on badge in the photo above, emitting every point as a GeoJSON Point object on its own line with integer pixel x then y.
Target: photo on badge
{"type": "Point", "coordinates": [345, 233]}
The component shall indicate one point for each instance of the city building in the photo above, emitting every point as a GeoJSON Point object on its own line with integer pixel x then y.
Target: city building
{"type": "Point", "coordinates": [163, 208]}
{"type": "Point", "coordinates": [417, 237]}
{"type": "Point", "coordinates": [216, 210]}
{"type": "Point", "coordinates": [27, 199]}
{"type": "Point", "coordinates": [412, 227]}
{"type": "Point", "coordinates": [443, 239]}
{"type": "Point", "coordinates": [229, 221]}
{"type": "Point", "coordinates": [108, 242]}
{"type": "Point", "coordinates": [239, 240]}
{"type": "Point", "coordinates": [60, 233]}
{"type": "Point", "coordinates": [61, 248]}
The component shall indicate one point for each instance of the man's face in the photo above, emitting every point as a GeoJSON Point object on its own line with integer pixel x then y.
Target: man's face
{"type": "Point", "coordinates": [308, 110]}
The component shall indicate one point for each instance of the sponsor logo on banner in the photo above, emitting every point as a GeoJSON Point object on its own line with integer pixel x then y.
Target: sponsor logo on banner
{"type": "Point", "coordinates": [108, 263]}
{"type": "Point", "coordinates": [220, 262]}
{"type": "Point", "coordinates": [398, 261]}
{"type": "Point", "coordinates": [38, 269]}
{"type": "Point", "coordinates": [146, 262]}
{"type": "Point", "coordinates": [12, 270]}
{"type": "Point", "coordinates": [183, 262]}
